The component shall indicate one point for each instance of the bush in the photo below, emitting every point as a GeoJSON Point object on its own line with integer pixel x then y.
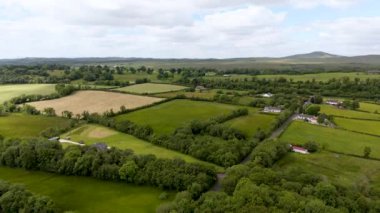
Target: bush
{"type": "Point", "coordinates": [311, 146]}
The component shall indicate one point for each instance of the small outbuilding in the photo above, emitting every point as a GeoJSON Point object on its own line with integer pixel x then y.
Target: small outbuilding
{"type": "Point", "coordinates": [333, 102]}
{"type": "Point", "coordinates": [272, 110]}
{"type": "Point", "coordinates": [200, 88]}
{"type": "Point", "coordinates": [267, 95]}
{"type": "Point", "coordinates": [299, 149]}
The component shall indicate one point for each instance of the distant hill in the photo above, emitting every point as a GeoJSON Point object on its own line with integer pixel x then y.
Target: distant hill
{"type": "Point", "coordinates": [317, 54]}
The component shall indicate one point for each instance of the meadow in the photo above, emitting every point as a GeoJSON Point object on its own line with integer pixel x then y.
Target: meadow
{"type": "Point", "coordinates": [91, 134]}
{"type": "Point", "coordinates": [369, 107]}
{"type": "Point", "coordinates": [166, 117]}
{"type": "Point", "coordinates": [84, 194]}
{"type": "Point", "coordinates": [340, 169]}
{"type": "Point", "coordinates": [331, 139]}
{"type": "Point", "coordinates": [8, 92]}
{"type": "Point", "coordinates": [250, 123]}
{"type": "Point", "coordinates": [364, 126]}
{"type": "Point", "coordinates": [150, 88]}
{"type": "Point", "coordinates": [22, 125]}
{"type": "Point", "coordinates": [132, 77]}
{"type": "Point", "coordinates": [95, 101]}
{"type": "Point", "coordinates": [331, 110]}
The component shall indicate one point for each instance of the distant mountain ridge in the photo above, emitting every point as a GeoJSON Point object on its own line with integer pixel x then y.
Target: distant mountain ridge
{"type": "Point", "coordinates": [316, 54]}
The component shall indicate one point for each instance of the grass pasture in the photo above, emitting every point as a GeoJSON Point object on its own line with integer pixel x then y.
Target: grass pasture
{"type": "Point", "coordinates": [8, 92]}
{"type": "Point", "coordinates": [369, 107]}
{"type": "Point", "coordinates": [91, 134]}
{"type": "Point", "coordinates": [150, 88]}
{"type": "Point", "coordinates": [95, 101]}
{"type": "Point", "coordinates": [331, 110]}
{"type": "Point", "coordinates": [364, 126]}
{"type": "Point", "coordinates": [249, 124]}
{"type": "Point", "coordinates": [337, 140]}
{"type": "Point", "coordinates": [341, 169]}
{"type": "Point", "coordinates": [84, 194]}
{"type": "Point", "coordinates": [166, 117]}
{"type": "Point", "coordinates": [21, 125]}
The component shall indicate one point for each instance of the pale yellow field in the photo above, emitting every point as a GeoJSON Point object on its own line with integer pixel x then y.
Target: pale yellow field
{"type": "Point", "coordinates": [95, 101]}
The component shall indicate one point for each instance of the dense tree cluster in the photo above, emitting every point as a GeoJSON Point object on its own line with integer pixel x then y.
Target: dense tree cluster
{"type": "Point", "coordinates": [15, 198]}
{"type": "Point", "coordinates": [343, 87]}
{"type": "Point", "coordinates": [106, 164]}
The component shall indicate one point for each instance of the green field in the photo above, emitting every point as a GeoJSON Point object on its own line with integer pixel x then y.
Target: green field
{"type": "Point", "coordinates": [331, 110]}
{"type": "Point", "coordinates": [369, 107]}
{"type": "Point", "coordinates": [365, 126]}
{"type": "Point", "coordinates": [165, 118]}
{"type": "Point", "coordinates": [8, 92]}
{"type": "Point", "coordinates": [150, 88]}
{"type": "Point", "coordinates": [341, 169]}
{"type": "Point", "coordinates": [302, 77]}
{"type": "Point", "coordinates": [249, 124]}
{"type": "Point", "coordinates": [332, 139]}
{"type": "Point", "coordinates": [84, 194]}
{"type": "Point", "coordinates": [91, 134]}
{"type": "Point", "coordinates": [21, 125]}
{"type": "Point", "coordinates": [130, 77]}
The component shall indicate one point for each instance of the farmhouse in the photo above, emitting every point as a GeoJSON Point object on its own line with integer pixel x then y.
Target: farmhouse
{"type": "Point", "coordinates": [309, 118]}
{"type": "Point", "coordinates": [200, 88]}
{"type": "Point", "coordinates": [267, 95]}
{"type": "Point", "coordinates": [299, 149]}
{"type": "Point", "coordinates": [272, 110]}
{"type": "Point", "coordinates": [333, 102]}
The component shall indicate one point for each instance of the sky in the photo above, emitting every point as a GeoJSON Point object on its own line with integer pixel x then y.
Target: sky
{"type": "Point", "coordinates": [187, 28]}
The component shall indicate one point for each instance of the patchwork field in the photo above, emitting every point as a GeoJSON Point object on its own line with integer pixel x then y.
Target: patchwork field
{"type": "Point", "coordinates": [331, 110]}
{"type": "Point", "coordinates": [341, 169]}
{"type": "Point", "coordinates": [130, 77]}
{"type": "Point", "coordinates": [95, 101]}
{"type": "Point", "coordinates": [165, 118]}
{"type": "Point", "coordinates": [83, 194]}
{"type": "Point", "coordinates": [91, 134]}
{"type": "Point", "coordinates": [365, 126]}
{"type": "Point", "coordinates": [8, 92]}
{"type": "Point", "coordinates": [150, 88]}
{"type": "Point", "coordinates": [21, 125]}
{"type": "Point", "coordinates": [331, 139]}
{"type": "Point", "coordinates": [252, 122]}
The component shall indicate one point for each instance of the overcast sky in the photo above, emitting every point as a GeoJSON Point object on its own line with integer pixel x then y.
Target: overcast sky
{"type": "Point", "coordinates": [187, 28]}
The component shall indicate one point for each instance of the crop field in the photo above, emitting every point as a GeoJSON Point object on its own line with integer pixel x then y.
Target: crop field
{"type": "Point", "coordinates": [341, 169]}
{"type": "Point", "coordinates": [21, 125]}
{"type": "Point", "coordinates": [303, 77]}
{"type": "Point", "coordinates": [150, 88]}
{"type": "Point", "coordinates": [8, 92]}
{"type": "Point", "coordinates": [331, 110]}
{"type": "Point", "coordinates": [130, 77]}
{"type": "Point", "coordinates": [252, 122]}
{"type": "Point", "coordinates": [84, 194]}
{"type": "Point", "coordinates": [165, 118]}
{"type": "Point", "coordinates": [95, 101]}
{"type": "Point", "coordinates": [331, 139]}
{"type": "Point", "coordinates": [91, 134]}
{"type": "Point", "coordinates": [365, 126]}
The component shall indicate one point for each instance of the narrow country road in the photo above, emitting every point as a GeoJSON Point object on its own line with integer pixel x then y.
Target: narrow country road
{"type": "Point", "coordinates": [70, 142]}
{"type": "Point", "coordinates": [275, 134]}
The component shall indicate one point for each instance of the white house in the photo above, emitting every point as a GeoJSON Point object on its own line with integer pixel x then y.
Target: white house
{"type": "Point", "coordinates": [309, 118]}
{"type": "Point", "coordinates": [267, 95]}
{"type": "Point", "coordinates": [299, 149]}
{"type": "Point", "coordinates": [333, 102]}
{"type": "Point", "coordinates": [272, 110]}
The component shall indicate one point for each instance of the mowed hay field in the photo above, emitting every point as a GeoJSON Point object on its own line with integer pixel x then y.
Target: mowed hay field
{"type": "Point", "coordinates": [331, 110]}
{"type": "Point", "coordinates": [91, 134]}
{"type": "Point", "coordinates": [21, 125]}
{"type": "Point", "coordinates": [150, 88]}
{"type": "Point", "coordinates": [84, 194]}
{"type": "Point", "coordinates": [337, 140]}
{"type": "Point", "coordinates": [95, 101]}
{"type": "Point", "coordinates": [165, 118]}
{"type": "Point", "coordinates": [364, 126]}
{"type": "Point", "coordinates": [250, 123]}
{"type": "Point", "coordinates": [341, 169]}
{"type": "Point", "coordinates": [8, 92]}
